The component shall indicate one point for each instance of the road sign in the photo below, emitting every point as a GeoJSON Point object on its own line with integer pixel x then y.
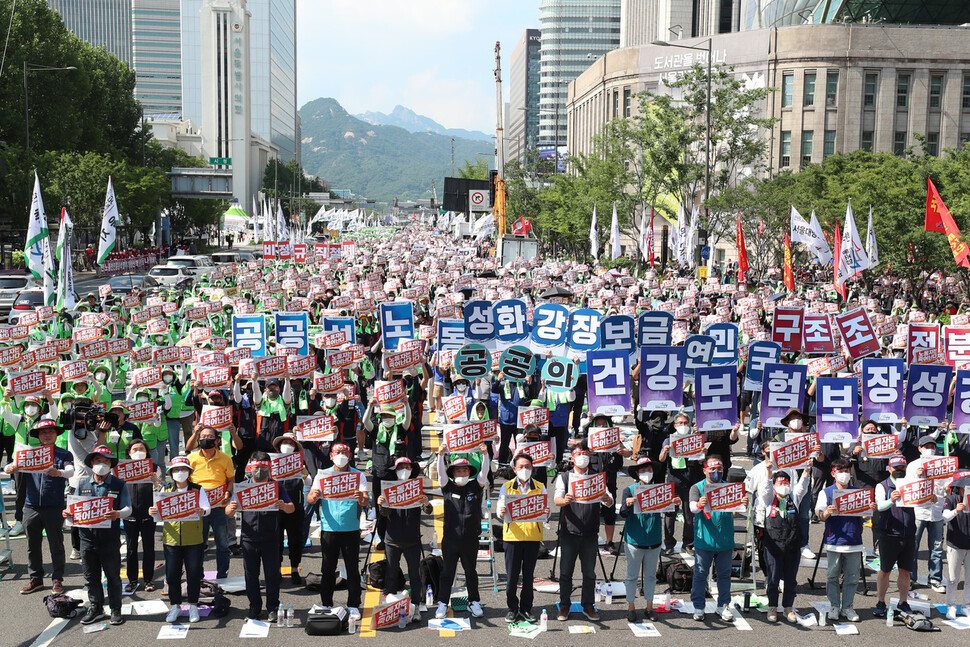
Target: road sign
{"type": "Point", "coordinates": [220, 161]}
{"type": "Point", "coordinates": [478, 200]}
{"type": "Point", "coordinates": [706, 253]}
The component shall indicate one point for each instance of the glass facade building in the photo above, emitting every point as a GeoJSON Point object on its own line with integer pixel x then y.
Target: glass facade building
{"type": "Point", "coordinates": [156, 55]}
{"type": "Point", "coordinates": [103, 23]}
{"type": "Point", "coordinates": [522, 127]}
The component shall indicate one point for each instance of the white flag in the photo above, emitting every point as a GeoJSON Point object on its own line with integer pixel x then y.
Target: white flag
{"type": "Point", "coordinates": [109, 220]}
{"type": "Point", "coordinates": [255, 221]}
{"type": "Point", "coordinates": [852, 256]}
{"type": "Point", "coordinates": [811, 235]}
{"type": "Point", "coordinates": [644, 243]}
{"type": "Point", "coordinates": [691, 237]}
{"type": "Point", "coordinates": [37, 251]}
{"type": "Point", "coordinates": [615, 236]}
{"type": "Point", "coordinates": [681, 236]}
{"type": "Point", "coordinates": [872, 250]}
{"type": "Point", "coordinates": [594, 241]}
{"type": "Point", "coordinates": [282, 230]}
{"type": "Point", "coordinates": [65, 280]}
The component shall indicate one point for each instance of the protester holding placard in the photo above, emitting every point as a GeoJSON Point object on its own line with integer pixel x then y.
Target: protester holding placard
{"type": "Point", "coordinates": [533, 434]}
{"type": "Point", "coordinates": [179, 415]}
{"type": "Point", "coordinates": [462, 526]}
{"type": "Point", "coordinates": [521, 540]}
{"type": "Point", "coordinates": [559, 405]}
{"type": "Point", "coordinates": [683, 473]}
{"type": "Point", "coordinates": [386, 440]}
{"type": "Point", "coordinates": [842, 544]}
{"type": "Point", "coordinates": [19, 421]}
{"type": "Point", "coordinates": [897, 536]}
{"type": "Point", "coordinates": [713, 543]}
{"type": "Point", "coordinates": [101, 547]}
{"type": "Point", "coordinates": [642, 537]}
{"type": "Point", "coordinates": [929, 519]}
{"type": "Point", "coordinates": [782, 535]}
{"type": "Point", "coordinates": [511, 396]}
{"type": "Point", "coordinates": [609, 463]}
{"type": "Point", "coordinates": [45, 475]}
{"type": "Point", "coordinates": [272, 416]}
{"type": "Point", "coordinates": [291, 524]}
{"type": "Point", "coordinates": [957, 546]}
{"type": "Point", "coordinates": [214, 471]}
{"type": "Point", "coordinates": [261, 535]}
{"type": "Point", "coordinates": [118, 436]}
{"type": "Point", "coordinates": [403, 537]}
{"type": "Point", "coordinates": [140, 525]}
{"type": "Point", "coordinates": [579, 532]}
{"type": "Point", "coordinates": [182, 541]}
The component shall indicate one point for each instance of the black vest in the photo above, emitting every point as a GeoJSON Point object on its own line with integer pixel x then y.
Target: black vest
{"type": "Point", "coordinates": [896, 521]}
{"type": "Point", "coordinates": [463, 511]}
{"type": "Point", "coordinates": [783, 533]}
{"type": "Point", "coordinates": [581, 518]}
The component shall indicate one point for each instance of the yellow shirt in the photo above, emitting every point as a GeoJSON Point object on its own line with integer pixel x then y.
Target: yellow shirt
{"type": "Point", "coordinates": [212, 472]}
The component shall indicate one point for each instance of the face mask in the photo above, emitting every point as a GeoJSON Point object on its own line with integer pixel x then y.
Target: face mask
{"type": "Point", "coordinates": [898, 474]}
{"type": "Point", "coordinates": [260, 474]}
{"type": "Point", "coordinates": [927, 453]}
{"type": "Point", "coordinates": [180, 476]}
{"type": "Point", "coordinates": [31, 410]}
{"type": "Point", "coordinates": [682, 429]}
{"type": "Point", "coordinates": [795, 424]}
{"type": "Point", "coordinates": [274, 394]}
{"type": "Point", "coordinates": [843, 478]}
{"type": "Point", "coordinates": [403, 475]}
{"type": "Point", "coordinates": [461, 388]}
{"type": "Point", "coordinates": [524, 474]}
{"type": "Point", "coordinates": [341, 460]}
{"type": "Point", "coordinates": [168, 379]}
{"type": "Point", "coordinates": [715, 477]}
{"type": "Point", "coordinates": [100, 376]}
{"type": "Point", "coordinates": [142, 398]}
{"type": "Point", "coordinates": [101, 469]}
{"type": "Point", "coordinates": [387, 424]}
{"type": "Point", "coordinates": [782, 490]}
{"type": "Point", "coordinates": [645, 476]}
{"type": "Point", "coordinates": [287, 448]}
{"type": "Point", "coordinates": [461, 481]}
{"type": "Point", "coordinates": [207, 443]}
{"type": "Point", "coordinates": [329, 402]}
{"type": "Point", "coordinates": [581, 461]}
{"type": "Point", "coordinates": [139, 456]}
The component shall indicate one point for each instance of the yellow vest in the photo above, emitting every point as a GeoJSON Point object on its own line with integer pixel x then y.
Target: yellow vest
{"type": "Point", "coordinates": [522, 530]}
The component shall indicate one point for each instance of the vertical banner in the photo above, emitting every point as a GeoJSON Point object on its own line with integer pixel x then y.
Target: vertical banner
{"type": "Point", "coordinates": [656, 329]}
{"type": "Point", "coordinates": [451, 334]}
{"type": "Point", "coordinates": [760, 354]}
{"type": "Point", "coordinates": [249, 331]}
{"type": "Point", "coordinates": [858, 334]}
{"type": "Point", "coordinates": [661, 378]}
{"type": "Point", "coordinates": [725, 337]}
{"type": "Point", "coordinates": [926, 394]}
{"type": "Point", "coordinates": [609, 382]}
{"type": "Point", "coordinates": [397, 323]}
{"type": "Point", "coordinates": [717, 397]}
{"type": "Point", "coordinates": [583, 334]}
{"type": "Point", "coordinates": [784, 388]}
{"type": "Point", "coordinates": [956, 341]}
{"type": "Point", "coordinates": [292, 331]}
{"type": "Point", "coordinates": [961, 403]}
{"type": "Point", "coordinates": [882, 389]}
{"type": "Point", "coordinates": [549, 324]}
{"type": "Point", "coordinates": [786, 328]}
{"type": "Point", "coordinates": [618, 332]}
{"type": "Point", "coordinates": [479, 324]}
{"type": "Point", "coordinates": [837, 417]}
{"type": "Point", "coordinates": [511, 325]}
{"type": "Point", "coordinates": [698, 353]}
{"type": "Point", "coordinates": [817, 337]}
{"type": "Point", "coordinates": [921, 336]}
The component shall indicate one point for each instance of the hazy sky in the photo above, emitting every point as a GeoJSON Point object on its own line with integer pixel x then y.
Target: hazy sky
{"type": "Point", "coordinates": [433, 56]}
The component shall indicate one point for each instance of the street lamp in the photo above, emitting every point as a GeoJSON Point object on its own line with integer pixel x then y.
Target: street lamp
{"type": "Point", "coordinates": [31, 67]}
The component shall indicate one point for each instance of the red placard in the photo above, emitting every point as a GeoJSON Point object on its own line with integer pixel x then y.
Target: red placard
{"type": "Point", "coordinates": [455, 407]}
{"type": "Point", "coordinates": [604, 440]}
{"type": "Point", "coordinates": [283, 467]}
{"type": "Point", "coordinates": [540, 452]}
{"type": "Point", "coordinates": [71, 371]}
{"type": "Point", "coordinates": [142, 411]}
{"type": "Point", "coordinates": [652, 499]}
{"type": "Point", "coordinates": [96, 350]}
{"type": "Point", "coordinates": [398, 362]}
{"type": "Point", "coordinates": [725, 498]}
{"type": "Point", "coordinates": [10, 355]}
{"type": "Point", "coordinates": [27, 383]}
{"type": "Point", "coordinates": [587, 488]}
{"type": "Point", "coordinates": [167, 355]}
{"type": "Point", "coordinates": [941, 467]}
{"type": "Point", "coordinates": [90, 511]}
{"type": "Point", "coordinates": [329, 383]}
{"type": "Point", "coordinates": [177, 506]}
{"type": "Point", "coordinates": [35, 459]}
{"type": "Point", "coordinates": [525, 508]}
{"type": "Point", "coordinates": [787, 328]}
{"type": "Point", "coordinates": [318, 429]}
{"type": "Point", "coordinates": [390, 392]}
{"type": "Point", "coordinates": [339, 486]}
{"type": "Point", "coordinates": [858, 336]}
{"type": "Point", "coordinates": [213, 377]}
{"type": "Point", "coordinates": [956, 340]}
{"type": "Point", "coordinates": [387, 615]}
{"type": "Point", "coordinates": [403, 494]}
{"type": "Point", "coordinates": [236, 355]}
{"type": "Point", "coordinates": [300, 367]}
{"type": "Point", "coordinates": [257, 497]}
{"type": "Point", "coordinates": [817, 334]}
{"type": "Point", "coordinates": [269, 367]}
{"type": "Point", "coordinates": [134, 471]}
{"type": "Point", "coordinates": [852, 503]}
{"type": "Point", "coordinates": [915, 493]}
{"type": "Point", "coordinates": [690, 446]}
{"type": "Point", "coordinates": [792, 454]}
{"type": "Point", "coordinates": [333, 340]}
{"type": "Point", "coordinates": [538, 416]}
{"type": "Point", "coordinates": [216, 417]}
{"type": "Point", "coordinates": [217, 494]}
{"type": "Point", "coordinates": [463, 438]}
{"type": "Point", "coordinates": [880, 445]}
{"type": "Point", "coordinates": [340, 359]}
{"type": "Point", "coordinates": [146, 377]}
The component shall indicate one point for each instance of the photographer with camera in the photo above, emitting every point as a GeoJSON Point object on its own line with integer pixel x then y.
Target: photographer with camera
{"type": "Point", "coordinates": [117, 429]}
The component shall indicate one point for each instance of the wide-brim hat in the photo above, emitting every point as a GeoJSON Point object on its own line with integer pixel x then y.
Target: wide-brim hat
{"type": "Point", "coordinates": [791, 412]}
{"type": "Point", "coordinates": [180, 462]}
{"type": "Point", "coordinates": [643, 461]}
{"type": "Point", "coordinates": [103, 451]}
{"type": "Point", "coordinates": [45, 422]}
{"type": "Point", "coordinates": [404, 460]}
{"type": "Point", "coordinates": [279, 440]}
{"type": "Point", "coordinates": [462, 462]}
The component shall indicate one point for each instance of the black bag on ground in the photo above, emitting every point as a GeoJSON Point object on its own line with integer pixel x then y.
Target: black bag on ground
{"type": "Point", "coordinates": [679, 576]}
{"type": "Point", "coordinates": [377, 574]}
{"type": "Point", "coordinates": [312, 582]}
{"type": "Point", "coordinates": [207, 589]}
{"type": "Point", "coordinates": [741, 561]}
{"type": "Point", "coordinates": [61, 606]}
{"type": "Point", "coordinates": [430, 572]}
{"type": "Point", "coordinates": [325, 624]}
{"type": "Point", "coordinates": [220, 606]}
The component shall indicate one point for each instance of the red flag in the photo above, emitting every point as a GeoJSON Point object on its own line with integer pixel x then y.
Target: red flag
{"type": "Point", "coordinates": [742, 253]}
{"type": "Point", "coordinates": [938, 218]}
{"type": "Point", "coordinates": [838, 247]}
{"type": "Point", "coordinates": [521, 227]}
{"type": "Point", "coordinates": [650, 256]}
{"type": "Point", "coordinates": [789, 269]}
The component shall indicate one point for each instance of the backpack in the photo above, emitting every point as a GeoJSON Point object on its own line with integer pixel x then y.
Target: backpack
{"type": "Point", "coordinates": [220, 606]}
{"type": "Point", "coordinates": [61, 606]}
{"type": "Point", "coordinates": [679, 576]}
{"type": "Point", "coordinates": [917, 621]}
{"type": "Point", "coordinates": [430, 571]}
{"type": "Point", "coordinates": [377, 573]}
{"type": "Point", "coordinates": [207, 589]}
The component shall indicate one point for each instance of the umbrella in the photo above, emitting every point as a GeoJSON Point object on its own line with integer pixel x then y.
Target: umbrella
{"type": "Point", "coordinates": [555, 291]}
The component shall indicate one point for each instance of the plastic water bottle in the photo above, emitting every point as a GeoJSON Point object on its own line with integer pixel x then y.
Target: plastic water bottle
{"type": "Point", "coordinates": [544, 621]}
{"type": "Point", "coordinates": [281, 616]}
{"type": "Point", "coordinates": [429, 597]}
{"type": "Point", "coordinates": [599, 591]}
{"type": "Point", "coordinates": [609, 593]}
{"type": "Point", "coordinates": [352, 623]}
{"type": "Point", "coordinates": [822, 614]}
{"type": "Point", "coordinates": [667, 600]}
{"type": "Point", "coordinates": [402, 619]}
{"type": "Point", "coordinates": [890, 616]}
{"type": "Point", "coordinates": [918, 596]}
{"type": "Point", "coordinates": [290, 616]}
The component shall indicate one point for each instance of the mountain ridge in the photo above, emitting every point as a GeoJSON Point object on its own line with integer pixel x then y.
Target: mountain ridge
{"type": "Point", "coordinates": [413, 122]}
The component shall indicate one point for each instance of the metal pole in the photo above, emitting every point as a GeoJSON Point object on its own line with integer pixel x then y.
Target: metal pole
{"type": "Point", "coordinates": [452, 157]}
{"type": "Point", "coordinates": [26, 111]}
{"type": "Point", "coordinates": [707, 181]}
{"type": "Point", "coordinates": [499, 149]}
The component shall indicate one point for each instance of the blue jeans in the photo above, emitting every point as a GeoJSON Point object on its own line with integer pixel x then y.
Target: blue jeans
{"type": "Point", "coordinates": [189, 557]}
{"type": "Point", "coordinates": [702, 566]}
{"type": "Point", "coordinates": [845, 567]}
{"type": "Point", "coordinates": [217, 521]}
{"type": "Point", "coordinates": [934, 530]}
{"type": "Point", "coordinates": [174, 430]}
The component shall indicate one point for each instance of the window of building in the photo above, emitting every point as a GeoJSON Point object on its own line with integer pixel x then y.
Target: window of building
{"type": "Point", "coordinates": [831, 89]}
{"type": "Point", "coordinates": [902, 91]}
{"type": "Point", "coordinates": [867, 140]}
{"type": "Point", "coordinates": [869, 91]}
{"type": "Point", "coordinates": [964, 139]}
{"type": "Point", "coordinates": [932, 144]}
{"type": "Point", "coordinates": [936, 92]}
{"type": "Point", "coordinates": [785, 148]}
{"type": "Point", "coordinates": [966, 93]}
{"type": "Point", "coordinates": [627, 100]}
{"type": "Point", "coordinates": [807, 137]}
{"type": "Point", "coordinates": [828, 147]}
{"type": "Point", "coordinates": [787, 90]}
{"type": "Point", "coordinates": [616, 102]}
{"type": "Point", "coordinates": [899, 143]}
{"type": "Point", "coordinates": [809, 89]}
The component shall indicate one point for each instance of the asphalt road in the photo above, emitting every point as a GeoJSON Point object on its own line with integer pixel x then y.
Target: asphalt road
{"type": "Point", "coordinates": [26, 616]}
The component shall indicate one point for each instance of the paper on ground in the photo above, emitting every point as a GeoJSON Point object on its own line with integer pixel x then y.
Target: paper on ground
{"type": "Point", "coordinates": [644, 630]}
{"type": "Point", "coordinates": [846, 630]}
{"type": "Point", "coordinates": [149, 607]}
{"type": "Point", "coordinates": [450, 624]}
{"type": "Point", "coordinates": [172, 632]}
{"type": "Point", "coordinates": [582, 629]}
{"type": "Point", "coordinates": [254, 629]}
{"type": "Point", "coordinates": [960, 623]}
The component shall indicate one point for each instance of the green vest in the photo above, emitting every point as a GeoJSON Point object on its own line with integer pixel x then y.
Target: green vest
{"type": "Point", "coordinates": [182, 533]}
{"type": "Point", "coordinates": [715, 534]}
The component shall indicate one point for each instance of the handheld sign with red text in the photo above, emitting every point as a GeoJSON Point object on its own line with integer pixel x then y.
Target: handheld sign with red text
{"type": "Point", "coordinates": [283, 467]}
{"type": "Point", "coordinates": [386, 615]}
{"type": "Point", "coordinates": [257, 497]}
{"type": "Point", "coordinates": [90, 511]}
{"type": "Point", "coordinates": [522, 508]}
{"type": "Point", "coordinates": [329, 383]}
{"type": "Point", "coordinates": [177, 506]}
{"type": "Point", "coordinates": [690, 447]}
{"type": "Point", "coordinates": [940, 468]}
{"type": "Point", "coordinates": [455, 407]}
{"type": "Point", "coordinates": [852, 503]}
{"type": "Point", "coordinates": [725, 498]}
{"type": "Point", "coordinates": [216, 417]}
{"type": "Point", "coordinates": [217, 494]}
{"type": "Point", "coordinates": [213, 377]}
{"type": "Point", "coordinates": [134, 471]}
{"type": "Point", "coordinates": [538, 416]}
{"type": "Point", "coordinates": [915, 493]}
{"type": "Point", "coordinates": [390, 392]}
{"type": "Point", "coordinates": [540, 452]}
{"type": "Point", "coordinates": [604, 440]}
{"type": "Point", "coordinates": [35, 459]}
{"type": "Point", "coordinates": [27, 383]}
{"type": "Point", "coordinates": [146, 377]}
{"type": "Point", "coordinates": [142, 411]}
{"type": "Point", "coordinates": [793, 454]}
{"type": "Point", "coordinates": [403, 494]}
{"type": "Point", "coordinates": [300, 367]}
{"type": "Point", "coordinates": [587, 488]}
{"type": "Point", "coordinates": [880, 445]}
{"type": "Point", "coordinates": [339, 486]}
{"type": "Point", "coordinates": [71, 371]}
{"type": "Point", "coordinates": [463, 438]}
{"type": "Point", "coordinates": [651, 499]}
{"type": "Point", "coordinates": [318, 429]}
{"type": "Point", "coordinates": [269, 367]}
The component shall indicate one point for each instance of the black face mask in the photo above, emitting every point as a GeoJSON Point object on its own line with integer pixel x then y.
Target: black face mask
{"type": "Point", "coordinates": [207, 443]}
{"type": "Point", "coordinates": [898, 474]}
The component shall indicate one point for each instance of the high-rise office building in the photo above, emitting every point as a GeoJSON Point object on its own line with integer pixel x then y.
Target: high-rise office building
{"type": "Point", "coordinates": [646, 21]}
{"type": "Point", "coordinates": [103, 23]}
{"type": "Point", "coordinates": [574, 34]}
{"type": "Point", "coordinates": [522, 126]}
{"type": "Point", "coordinates": [156, 45]}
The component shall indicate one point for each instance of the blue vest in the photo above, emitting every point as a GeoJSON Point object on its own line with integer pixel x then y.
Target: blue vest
{"type": "Point", "coordinates": [338, 516]}
{"type": "Point", "coordinates": [841, 530]}
{"type": "Point", "coordinates": [896, 521]}
{"type": "Point", "coordinates": [48, 491]}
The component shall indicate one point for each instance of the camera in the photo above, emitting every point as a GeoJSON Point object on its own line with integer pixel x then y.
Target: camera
{"type": "Point", "coordinates": [86, 416]}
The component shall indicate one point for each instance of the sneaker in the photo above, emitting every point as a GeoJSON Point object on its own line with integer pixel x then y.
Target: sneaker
{"type": "Point", "coordinates": [475, 609]}
{"type": "Point", "coordinates": [699, 615]}
{"type": "Point", "coordinates": [591, 614]}
{"type": "Point", "coordinates": [173, 614]}
{"type": "Point", "coordinates": [790, 615]}
{"type": "Point", "coordinates": [833, 614]}
{"type": "Point", "coordinates": [772, 615]}
{"type": "Point", "coordinates": [423, 608]}
{"type": "Point", "coordinates": [415, 613]}
{"type": "Point", "coordinates": [689, 550]}
{"type": "Point", "coordinates": [442, 611]}
{"type": "Point", "coordinates": [57, 587]}
{"type": "Point", "coordinates": [129, 588]}
{"type": "Point", "coordinates": [193, 613]}
{"type": "Point", "coordinates": [527, 616]}
{"type": "Point", "coordinates": [951, 613]}
{"type": "Point", "coordinates": [631, 616]}
{"type": "Point", "coordinates": [808, 553]}
{"type": "Point", "coordinates": [904, 606]}
{"type": "Point", "coordinates": [879, 611]}
{"type": "Point", "coordinates": [850, 614]}
{"type": "Point", "coordinates": [235, 550]}
{"type": "Point", "coordinates": [295, 578]}
{"type": "Point", "coordinates": [17, 529]}
{"type": "Point", "coordinates": [937, 586]}
{"type": "Point", "coordinates": [33, 584]}
{"type": "Point", "coordinates": [92, 616]}
{"type": "Point", "coordinates": [726, 613]}
{"type": "Point", "coordinates": [563, 615]}
{"type": "Point", "coordinates": [116, 618]}
{"type": "Point", "coordinates": [75, 553]}
{"type": "Point", "coordinates": [511, 616]}
{"type": "Point", "coordinates": [271, 617]}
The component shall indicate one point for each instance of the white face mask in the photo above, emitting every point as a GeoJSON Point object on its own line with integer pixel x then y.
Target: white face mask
{"type": "Point", "coordinates": [139, 455]}
{"type": "Point", "coordinates": [795, 424]}
{"type": "Point", "coordinates": [461, 481]}
{"type": "Point", "coordinates": [100, 376]}
{"type": "Point", "coordinates": [31, 410]}
{"type": "Point", "coordinates": [287, 448]}
{"type": "Point", "coordinates": [581, 461]}
{"type": "Point", "coordinates": [330, 403]}
{"type": "Point", "coordinates": [645, 476]}
{"type": "Point", "coordinates": [682, 429]}
{"type": "Point", "coordinates": [168, 379]}
{"type": "Point", "coordinates": [927, 453]}
{"type": "Point", "coordinates": [387, 423]}
{"type": "Point", "coordinates": [524, 474]}
{"type": "Point", "coordinates": [142, 398]}
{"type": "Point", "coordinates": [843, 478]}
{"type": "Point", "coordinates": [461, 388]}
{"type": "Point", "coordinates": [403, 475]}
{"type": "Point", "coordinates": [341, 460]}
{"type": "Point", "coordinates": [101, 469]}
{"type": "Point", "coordinates": [180, 476]}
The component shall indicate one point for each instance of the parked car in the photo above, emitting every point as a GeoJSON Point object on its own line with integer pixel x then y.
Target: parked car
{"type": "Point", "coordinates": [172, 276]}
{"type": "Point", "coordinates": [10, 286]}
{"type": "Point", "coordinates": [225, 258]}
{"type": "Point", "coordinates": [200, 266]}
{"type": "Point", "coordinates": [124, 284]}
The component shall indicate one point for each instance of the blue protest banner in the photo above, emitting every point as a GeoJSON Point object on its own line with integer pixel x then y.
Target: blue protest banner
{"type": "Point", "coordinates": [760, 354]}
{"type": "Point", "coordinates": [249, 331]}
{"type": "Point", "coordinates": [725, 343]}
{"type": "Point", "coordinates": [716, 405]}
{"type": "Point", "coordinates": [344, 324]}
{"type": "Point", "coordinates": [292, 331]}
{"type": "Point", "coordinates": [661, 378]}
{"type": "Point", "coordinates": [882, 389]}
{"type": "Point", "coordinates": [609, 382]}
{"type": "Point", "coordinates": [479, 322]}
{"type": "Point", "coordinates": [451, 334]}
{"type": "Point", "coordinates": [397, 323]}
